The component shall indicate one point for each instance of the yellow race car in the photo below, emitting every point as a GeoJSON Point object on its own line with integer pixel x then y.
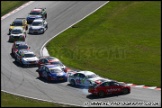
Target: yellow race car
{"type": "Point", "coordinates": [18, 22]}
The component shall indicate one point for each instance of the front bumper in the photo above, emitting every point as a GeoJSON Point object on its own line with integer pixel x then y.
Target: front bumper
{"type": "Point", "coordinates": [30, 63]}
{"type": "Point", "coordinates": [35, 31]}
{"type": "Point", "coordinates": [59, 79]}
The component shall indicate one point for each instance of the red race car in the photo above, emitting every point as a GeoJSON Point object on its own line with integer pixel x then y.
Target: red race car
{"type": "Point", "coordinates": [18, 45]}
{"type": "Point", "coordinates": [109, 87]}
{"type": "Point", "coordinates": [51, 60]}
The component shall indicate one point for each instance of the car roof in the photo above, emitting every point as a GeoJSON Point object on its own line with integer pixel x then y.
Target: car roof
{"type": "Point", "coordinates": [49, 57]}
{"type": "Point", "coordinates": [18, 27]}
{"type": "Point", "coordinates": [86, 72]}
{"type": "Point", "coordinates": [52, 66]}
{"type": "Point", "coordinates": [18, 19]}
{"type": "Point", "coordinates": [38, 20]}
{"type": "Point", "coordinates": [20, 42]}
{"type": "Point", "coordinates": [24, 51]}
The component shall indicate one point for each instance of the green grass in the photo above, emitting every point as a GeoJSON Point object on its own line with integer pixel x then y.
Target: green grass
{"type": "Point", "coordinates": [8, 100]}
{"type": "Point", "coordinates": [121, 41]}
{"type": "Point", "coordinates": [7, 6]}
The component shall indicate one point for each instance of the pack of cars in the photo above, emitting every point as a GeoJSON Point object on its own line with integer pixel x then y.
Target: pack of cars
{"type": "Point", "coordinates": [51, 68]}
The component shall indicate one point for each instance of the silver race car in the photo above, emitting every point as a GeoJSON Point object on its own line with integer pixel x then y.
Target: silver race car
{"type": "Point", "coordinates": [38, 26]}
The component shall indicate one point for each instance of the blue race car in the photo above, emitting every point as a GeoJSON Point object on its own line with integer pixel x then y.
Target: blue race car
{"type": "Point", "coordinates": [52, 73]}
{"type": "Point", "coordinates": [36, 14]}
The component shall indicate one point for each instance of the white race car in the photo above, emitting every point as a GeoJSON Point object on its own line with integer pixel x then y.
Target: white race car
{"type": "Point", "coordinates": [84, 78]}
{"type": "Point", "coordinates": [26, 57]}
{"type": "Point", "coordinates": [38, 26]}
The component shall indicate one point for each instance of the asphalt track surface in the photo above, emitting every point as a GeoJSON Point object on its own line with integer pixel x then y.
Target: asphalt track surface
{"type": "Point", "coordinates": [25, 81]}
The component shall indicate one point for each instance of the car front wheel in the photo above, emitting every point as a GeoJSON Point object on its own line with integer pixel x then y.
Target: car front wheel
{"type": "Point", "coordinates": [101, 94]}
{"type": "Point", "coordinates": [125, 91]}
{"type": "Point", "coordinates": [72, 82]}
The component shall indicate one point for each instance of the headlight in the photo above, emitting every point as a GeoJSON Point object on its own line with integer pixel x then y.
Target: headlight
{"type": "Point", "coordinates": [30, 28]}
{"type": "Point", "coordinates": [24, 61]}
{"type": "Point", "coordinates": [41, 29]}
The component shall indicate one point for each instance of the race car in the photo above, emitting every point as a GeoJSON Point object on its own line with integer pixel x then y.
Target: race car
{"type": "Point", "coordinates": [52, 73]}
{"type": "Point", "coordinates": [108, 87]}
{"type": "Point", "coordinates": [84, 79]}
{"type": "Point", "coordinates": [18, 45]}
{"type": "Point", "coordinates": [36, 13]}
{"type": "Point", "coordinates": [26, 58]}
{"type": "Point", "coordinates": [17, 34]}
{"type": "Point", "coordinates": [38, 26]}
{"type": "Point", "coordinates": [18, 22]}
{"type": "Point", "coordinates": [51, 60]}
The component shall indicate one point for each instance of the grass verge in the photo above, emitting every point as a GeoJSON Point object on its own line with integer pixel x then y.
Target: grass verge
{"type": "Point", "coordinates": [7, 6]}
{"type": "Point", "coordinates": [9, 100]}
{"type": "Point", "coordinates": [121, 41]}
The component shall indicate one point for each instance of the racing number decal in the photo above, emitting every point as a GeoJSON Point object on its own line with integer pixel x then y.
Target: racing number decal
{"type": "Point", "coordinates": [112, 90]}
{"type": "Point", "coordinates": [78, 81]}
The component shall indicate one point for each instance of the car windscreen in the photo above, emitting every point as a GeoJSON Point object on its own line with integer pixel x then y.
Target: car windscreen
{"type": "Point", "coordinates": [29, 55]}
{"type": "Point", "coordinates": [36, 24]}
{"type": "Point", "coordinates": [17, 24]}
{"type": "Point", "coordinates": [35, 13]}
{"type": "Point", "coordinates": [92, 76]}
{"type": "Point", "coordinates": [22, 47]}
{"type": "Point", "coordinates": [16, 31]}
{"type": "Point", "coordinates": [55, 70]}
{"type": "Point", "coordinates": [57, 63]}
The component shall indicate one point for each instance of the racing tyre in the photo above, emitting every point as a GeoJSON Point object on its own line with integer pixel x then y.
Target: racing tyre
{"type": "Point", "coordinates": [26, 27]}
{"type": "Point", "coordinates": [72, 82]}
{"type": "Point", "coordinates": [48, 78]}
{"type": "Point", "coordinates": [125, 91]}
{"type": "Point", "coordinates": [46, 16]}
{"type": "Point", "coordinates": [101, 94]}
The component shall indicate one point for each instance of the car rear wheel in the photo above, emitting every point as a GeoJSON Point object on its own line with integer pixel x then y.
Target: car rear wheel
{"type": "Point", "coordinates": [101, 94]}
{"type": "Point", "coordinates": [45, 16]}
{"type": "Point", "coordinates": [48, 78]}
{"type": "Point", "coordinates": [72, 82]}
{"type": "Point", "coordinates": [125, 91]}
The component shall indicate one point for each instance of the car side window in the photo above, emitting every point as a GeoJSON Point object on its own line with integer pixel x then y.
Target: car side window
{"type": "Point", "coordinates": [82, 76]}
{"type": "Point", "coordinates": [75, 75]}
{"type": "Point", "coordinates": [113, 84]}
{"type": "Point", "coordinates": [43, 68]}
{"type": "Point", "coordinates": [47, 70]}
